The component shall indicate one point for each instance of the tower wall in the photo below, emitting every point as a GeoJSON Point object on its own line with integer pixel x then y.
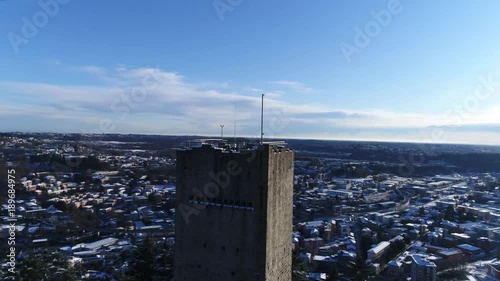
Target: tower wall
{"type": "Point", "coordinates": [233, 214]}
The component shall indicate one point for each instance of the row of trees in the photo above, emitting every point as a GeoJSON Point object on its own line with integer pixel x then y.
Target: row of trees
{"type": "Point", "coordinates": [149, 261]}
{"type": "Point", "coordinates": [46, 266]}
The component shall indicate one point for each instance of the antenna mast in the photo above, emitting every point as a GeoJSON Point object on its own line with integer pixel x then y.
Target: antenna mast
{"type": "Point", "coordinates": [234, 140]}
{"type": "Point", "coordinates": [262, 120]}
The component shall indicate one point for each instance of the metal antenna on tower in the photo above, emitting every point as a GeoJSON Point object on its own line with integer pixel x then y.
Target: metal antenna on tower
{"type": "Point", "coordinates": [221, 131]}
{"type": "Point", "coordinates": [234, 139]}
{"type": "Point", "coordinates": [262, 121]}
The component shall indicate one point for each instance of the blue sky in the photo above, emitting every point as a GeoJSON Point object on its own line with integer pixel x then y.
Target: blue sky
{"type": "Point", "coordinates": [392, 70]}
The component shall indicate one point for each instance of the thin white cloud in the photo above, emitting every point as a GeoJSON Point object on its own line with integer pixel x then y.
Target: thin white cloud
{"type": "Point", "coordinates": [91, 69]}
{"type": "Point", "coordinates": [153, 100]}
{"type": "Point", "coordinates": [294, 85]}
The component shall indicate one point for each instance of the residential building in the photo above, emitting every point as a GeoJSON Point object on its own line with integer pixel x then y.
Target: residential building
{"type": "Point", "coordinates": [375, 253]}
{"type": "Point", "coordinates": [422, 270]}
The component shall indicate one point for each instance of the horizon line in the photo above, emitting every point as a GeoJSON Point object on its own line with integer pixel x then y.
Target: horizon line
{"type": "Point", "coordinates": [257, 138]}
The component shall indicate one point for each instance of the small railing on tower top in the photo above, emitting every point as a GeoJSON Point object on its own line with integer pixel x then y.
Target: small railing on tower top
{"type": "Point", "coordinates": [231, 145]}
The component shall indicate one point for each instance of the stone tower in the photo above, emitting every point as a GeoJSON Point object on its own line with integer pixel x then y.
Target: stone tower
{"type": "Point", "coordinates": [234, 213]}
